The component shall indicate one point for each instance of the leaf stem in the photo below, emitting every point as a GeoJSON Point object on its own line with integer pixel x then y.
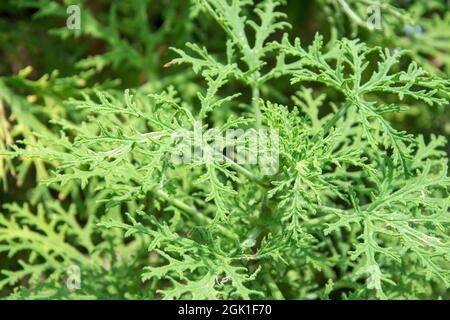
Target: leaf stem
{"type": "Point", "coordinates": [341, 112]}
{"type": "Point", "coordinates": [257, 111]}
{"type": "Point", "coordinates": [244, 172]}
{"type": "Point", "coordinates": [273, 287]}
{"type": "Point", "coordinates": [353, 15]}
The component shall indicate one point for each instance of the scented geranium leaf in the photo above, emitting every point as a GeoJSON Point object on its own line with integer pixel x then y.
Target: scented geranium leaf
{"type": "Point", "coordinates": [345, 67]}
{"type": "Point", "coordinates": [203, 289]}
{"type": "Point", "coordinates": [404, 221]}
{"type": "Point", "coordinates": [201, 61]}
{"type": "Point", "coordinates": [305, 161]}
{"type": "Point", "coordinates": [201, 271]}
{"type": "Point", "coordinates": [403, 83]}
{"type": "Point", "coordinates": [269, 24]}
{"type": "Point", "coordinates": [230, 17]}
{"type": "Point", "coordinates": [22, 116]}
{"type": "Point", "coordinates": [354, 55]}
{"type": "Point", "coordinates": [48, 235]}
{"type": "Point", "coordinates": [263, 168]}
{"type": "Point", "coordinates": [218, 190]}
{"type": "Point", "coordinates": [310, 105]}
{"type": "Point", "coordinates": [252, 49]}
{"type": "Point", "coordinates": [383, 17]}
{"type": "Point", "coordinates": [214, 73]}
{"type": "Point", "coordinates": [106, 151]}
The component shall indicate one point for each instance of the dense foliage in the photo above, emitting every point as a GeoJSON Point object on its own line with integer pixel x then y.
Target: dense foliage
{"type": "Point", "coordinates": [355, 206]}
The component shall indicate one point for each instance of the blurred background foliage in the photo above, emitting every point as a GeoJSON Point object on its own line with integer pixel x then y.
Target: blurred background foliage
{"type": "Point", "coordinates": [125, 44]}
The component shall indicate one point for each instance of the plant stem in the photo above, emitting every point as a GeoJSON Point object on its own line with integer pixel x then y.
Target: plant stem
{"type": "Point", "coordinates": [244, 171]}
{"type": "Point", "coordinates": [341, 112]}
{"type": "Point", "coordinates": [257, 111]}
{"type": "Point", "coordinates": [353, 15]}
{"type": "Point", "coordinates": [276, 292]}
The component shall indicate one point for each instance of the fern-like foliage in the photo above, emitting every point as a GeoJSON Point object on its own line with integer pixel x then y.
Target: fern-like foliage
{"type": "Point", "coordinates": [356, 207]}
{"type": "Point", "coordinates": [197, 271]}
{"type": "Point", "coordinates": [344, 70]}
